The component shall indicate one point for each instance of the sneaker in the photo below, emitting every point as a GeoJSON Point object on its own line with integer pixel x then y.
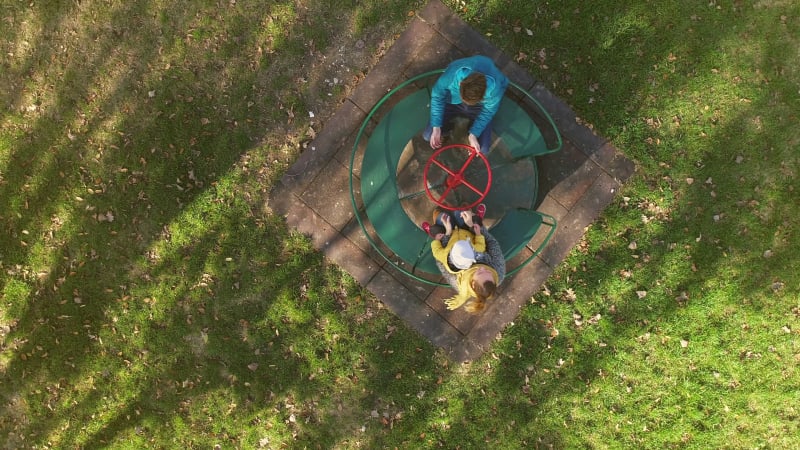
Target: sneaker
{"type": "Point", "coordinates": [481, 210]}
{"type": "Point", "coordinates": [427, 227]}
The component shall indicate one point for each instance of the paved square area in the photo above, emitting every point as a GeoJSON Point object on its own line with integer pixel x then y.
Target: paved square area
{"type": "Point", "coordinates": [575, 185]}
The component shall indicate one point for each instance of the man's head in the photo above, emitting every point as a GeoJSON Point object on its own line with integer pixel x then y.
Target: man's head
{"type": "Point", "coordinates": [473, 88]}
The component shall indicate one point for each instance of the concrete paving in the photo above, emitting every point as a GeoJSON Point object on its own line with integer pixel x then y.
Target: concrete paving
{"type": "Point", "coordinates": [575, 185]}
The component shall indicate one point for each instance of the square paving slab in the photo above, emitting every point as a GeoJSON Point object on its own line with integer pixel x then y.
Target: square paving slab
{"type": "Point", "coordinates": [575, 185]}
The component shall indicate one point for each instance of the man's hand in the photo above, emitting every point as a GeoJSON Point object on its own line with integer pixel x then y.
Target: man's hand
{"type": "Point", "coordinates": [436, 137]}
{"type": "Point", "coordinates": [473, 142]}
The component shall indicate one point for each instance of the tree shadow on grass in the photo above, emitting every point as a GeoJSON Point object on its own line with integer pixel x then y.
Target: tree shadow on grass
{"type": "Point", "coordinates": [140, 279]}
{"type": "Point", "coordinates": [141, 327]}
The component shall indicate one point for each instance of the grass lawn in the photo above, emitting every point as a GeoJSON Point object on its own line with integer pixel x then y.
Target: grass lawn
{"type": "Point", "coordinates": [148, 299]}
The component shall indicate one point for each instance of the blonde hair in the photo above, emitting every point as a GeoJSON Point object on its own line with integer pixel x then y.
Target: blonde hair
{"type": "Point", "coordinates": [483, 293]}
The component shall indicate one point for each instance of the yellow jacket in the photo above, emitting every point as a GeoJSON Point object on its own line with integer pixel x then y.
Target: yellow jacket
{"type": "Point", "coordinates": [441, 252]}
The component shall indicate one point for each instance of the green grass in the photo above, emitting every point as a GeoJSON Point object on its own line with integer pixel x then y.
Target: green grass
{"type": "Point", "coordinates": [148, 299]}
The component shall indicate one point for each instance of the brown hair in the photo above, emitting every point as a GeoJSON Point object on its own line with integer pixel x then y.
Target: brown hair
{"type": "Point", "coordinates": [483, 292]}
{"type": "Point", "coordinates": [473, 88]}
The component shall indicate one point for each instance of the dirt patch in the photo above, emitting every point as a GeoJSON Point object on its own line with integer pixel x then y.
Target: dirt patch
{"type": "Point", "coordinates": [335, 73]}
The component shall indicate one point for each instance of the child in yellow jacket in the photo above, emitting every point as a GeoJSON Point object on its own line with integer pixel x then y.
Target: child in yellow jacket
{"type": "Point", "coordinates": [460, 251]}
{"type": "Point", "coordinates": [475, 275]}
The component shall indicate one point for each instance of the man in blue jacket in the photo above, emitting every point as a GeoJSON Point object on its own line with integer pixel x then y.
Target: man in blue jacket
{"type": "Point", "coordinates": [471, 87]}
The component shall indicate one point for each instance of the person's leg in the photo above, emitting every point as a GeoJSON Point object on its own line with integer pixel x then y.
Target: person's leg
{"type": "Point", "coordinates": [447, 123]}
{"type": "Point", "coordinates": [476, 217]}
{"type": "Point", "coordinates": [438, 217]}
{"type": "Point", "coordinates": [481, 211]}
{"type": "Point", "coordinates": [485, 138]}
{"type": "Point", "coordinates": [459, 221]}
{"type": "Point", "coordinates": [435, 229]}
{"type": "Point", "coordinates": [438, 223]}
{"type": "Point", "coordinates": [450, 112]}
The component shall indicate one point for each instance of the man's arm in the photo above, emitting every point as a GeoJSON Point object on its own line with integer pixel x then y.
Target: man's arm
{"type": "Point", "coordinates": [439, 97]}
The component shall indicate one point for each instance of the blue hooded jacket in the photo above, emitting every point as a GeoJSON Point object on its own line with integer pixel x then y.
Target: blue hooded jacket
{"type": "Point", "coordinates": [447, 90]}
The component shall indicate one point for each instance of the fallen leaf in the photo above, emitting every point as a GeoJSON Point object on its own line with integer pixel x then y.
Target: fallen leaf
{"type": "Point", "coordinates": [253, 366]}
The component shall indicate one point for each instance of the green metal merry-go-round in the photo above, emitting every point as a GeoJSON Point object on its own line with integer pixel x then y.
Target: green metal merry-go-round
{"type": "Point", "coordinates": [402, 179]}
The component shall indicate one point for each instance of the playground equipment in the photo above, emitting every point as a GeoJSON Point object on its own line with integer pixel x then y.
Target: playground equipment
{"type": "Point", "coordinates": [402, 179]}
